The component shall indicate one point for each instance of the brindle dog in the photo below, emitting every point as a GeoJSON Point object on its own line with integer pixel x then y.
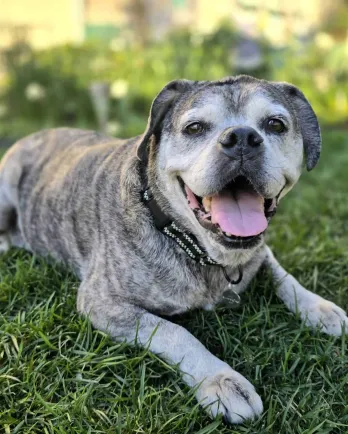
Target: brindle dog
{"type": "Point", "coordinates": [216, 158]}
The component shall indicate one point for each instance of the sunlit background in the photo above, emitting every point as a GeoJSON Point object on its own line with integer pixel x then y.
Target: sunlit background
{"type": "Point", "coordinates": [99, 63]}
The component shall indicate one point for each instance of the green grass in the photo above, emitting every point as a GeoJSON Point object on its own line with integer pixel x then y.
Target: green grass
{"type": "Point", "coordinates": [58, 375]}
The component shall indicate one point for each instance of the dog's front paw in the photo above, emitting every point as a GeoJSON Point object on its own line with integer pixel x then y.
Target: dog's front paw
{"type": "Point", "coordinates": [230, 394]}
{"type": "Point", "coordinates": [322, 313]}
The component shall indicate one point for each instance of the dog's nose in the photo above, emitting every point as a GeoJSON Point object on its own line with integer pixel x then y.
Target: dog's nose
{"type": "Point", "coordinates": [240, 136]}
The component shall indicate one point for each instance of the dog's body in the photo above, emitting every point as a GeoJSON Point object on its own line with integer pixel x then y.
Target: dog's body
{"type": "Point", "coordinates": [77, 196]}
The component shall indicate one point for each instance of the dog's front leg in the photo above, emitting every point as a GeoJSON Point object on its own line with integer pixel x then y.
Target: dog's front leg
{"type": "Point", "coordinates": [313, 309]}
{"type": "Point", "coordinates": [219, 388]}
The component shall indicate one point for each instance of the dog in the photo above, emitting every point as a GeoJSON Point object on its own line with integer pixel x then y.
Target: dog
{"type": "Point", "coordinates": [172, 220]}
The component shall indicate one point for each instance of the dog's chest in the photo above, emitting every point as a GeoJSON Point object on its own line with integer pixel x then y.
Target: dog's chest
{"type": "Point", "coordinates": [177, 288]}
{"type": "Point", "coordinates": [179, 294]}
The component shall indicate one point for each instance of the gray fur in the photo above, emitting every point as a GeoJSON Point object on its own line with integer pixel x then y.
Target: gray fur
{"type": "Point", "coordinates": [76, 195]}
{"type": "Point", "coordinates": [307, 121]}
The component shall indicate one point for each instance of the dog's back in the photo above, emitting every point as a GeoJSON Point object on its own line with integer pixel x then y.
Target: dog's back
{"type": "Point", "coordinates": [47, 181]}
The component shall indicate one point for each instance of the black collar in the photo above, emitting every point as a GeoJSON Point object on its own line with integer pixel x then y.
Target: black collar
{"type": "Point", "coordinates": [186, 241]}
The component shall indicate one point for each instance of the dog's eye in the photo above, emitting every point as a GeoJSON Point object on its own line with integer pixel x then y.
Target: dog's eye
{"type": "Point", "coordinates": [194, 128]}
{"type": "Point", "coordinates": [275, 126]}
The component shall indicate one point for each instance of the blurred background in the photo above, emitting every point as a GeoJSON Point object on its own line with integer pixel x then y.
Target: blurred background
{"type": "Point", "coordinates": [99, 63]}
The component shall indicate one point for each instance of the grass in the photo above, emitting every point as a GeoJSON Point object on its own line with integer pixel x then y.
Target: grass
{"type": "Point", "coordinates": [58, 375]}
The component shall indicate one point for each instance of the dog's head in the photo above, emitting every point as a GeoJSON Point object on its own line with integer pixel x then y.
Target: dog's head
{"type": "Point", "coordinates": [224, 152]}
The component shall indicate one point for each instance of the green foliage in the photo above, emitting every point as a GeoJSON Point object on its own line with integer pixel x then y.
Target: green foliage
{"type": "Point", "coordinates": [64, 73]}
{"type": "Point", "coordinates": [50, 87]}
{"type": "Point", "coordinates": [320, 70]}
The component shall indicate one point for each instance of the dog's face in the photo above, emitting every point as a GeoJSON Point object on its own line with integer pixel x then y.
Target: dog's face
{"type": "Point", "coordinates": [225, 152]}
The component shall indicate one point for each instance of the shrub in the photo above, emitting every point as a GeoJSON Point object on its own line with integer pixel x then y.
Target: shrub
{"type": "Point", "coordinates": [50, 87]}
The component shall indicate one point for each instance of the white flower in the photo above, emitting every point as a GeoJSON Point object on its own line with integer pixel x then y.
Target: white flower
{"type": "Point", "coordinates": [113, 128]}
{"type": "Point", "coordinates": [119, 89]}
{"type": "Point", "coordinates": [3, 110]}
{"type": "Point", "coordinates": [35, 92]}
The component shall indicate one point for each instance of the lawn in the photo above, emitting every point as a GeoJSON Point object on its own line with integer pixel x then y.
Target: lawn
{"type": "Point", "coordinates": [58, 375]}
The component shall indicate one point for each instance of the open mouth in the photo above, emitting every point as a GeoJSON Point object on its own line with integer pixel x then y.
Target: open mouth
{"type": "Point", "coordinates": [238, 213]}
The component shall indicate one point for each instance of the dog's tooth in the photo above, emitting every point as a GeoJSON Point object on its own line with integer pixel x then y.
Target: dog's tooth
{"type": "Point", "coordinates": [228, 234]}
{"type": "Point", "coordinates": [207, 203]}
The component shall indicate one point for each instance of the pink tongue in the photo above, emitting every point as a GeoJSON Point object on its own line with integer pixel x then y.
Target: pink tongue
{"type": "Point", "coordinates": [240, 213]}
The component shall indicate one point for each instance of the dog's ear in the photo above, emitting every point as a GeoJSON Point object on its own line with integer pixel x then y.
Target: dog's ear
{"type": "Point", "coordinates": [160, 106]}
{"type": "Point", "coordinates": [307, 120]}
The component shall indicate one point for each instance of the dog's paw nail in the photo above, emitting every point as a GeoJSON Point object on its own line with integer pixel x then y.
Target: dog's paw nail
{"type": "Point", "coordinates": [231, 395]}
